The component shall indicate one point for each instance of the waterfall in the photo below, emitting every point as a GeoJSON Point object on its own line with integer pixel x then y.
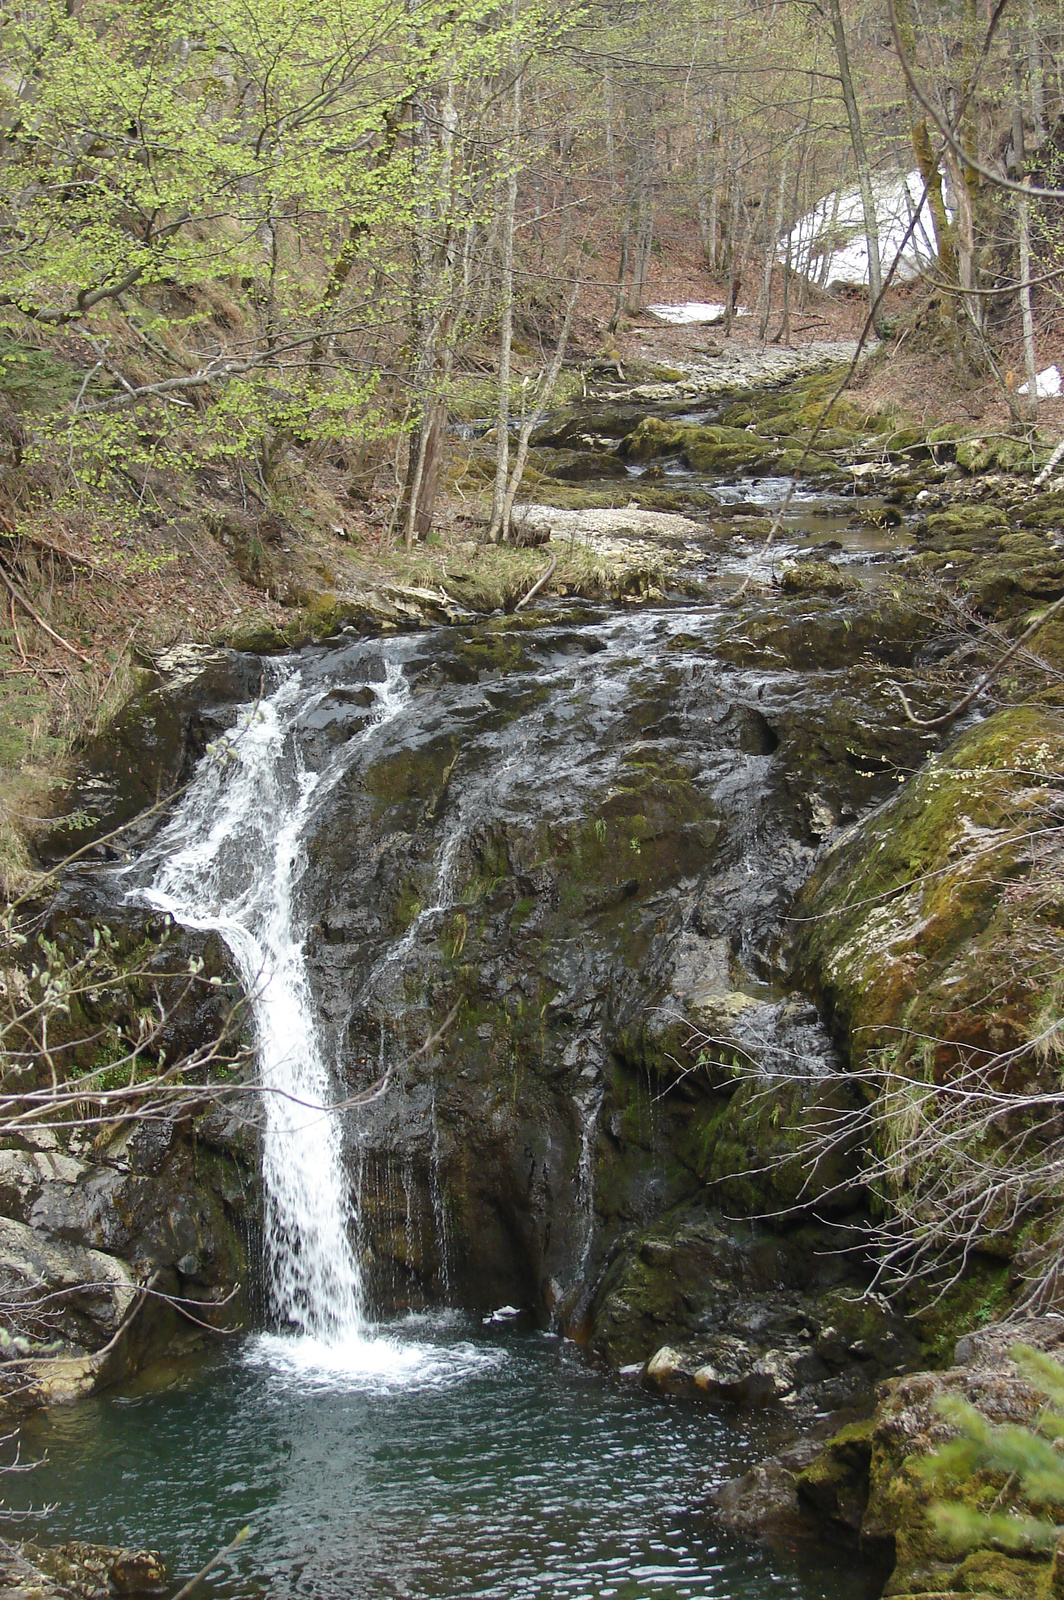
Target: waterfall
{"type": "Point", "coordinates": [230, 860]}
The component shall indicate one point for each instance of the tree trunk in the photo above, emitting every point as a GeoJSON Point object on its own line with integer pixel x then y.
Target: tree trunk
{"type": "Point", "coordinates": [421, 311]}
{"type": "Point", "coordinates": [864, 171]}
{"type": "Point", "coordinates": [771, 246]}
{"type": "Point", "coordinates": [925, 157]}
{"type": "Point", "coordinates": [506, 315]}
{"type": "Point", "coordinates": [1034, 57]}
{"type": "Point", "coordinates": [531, 420]}
{"type": "Point", "coordinates": [1025, 305]}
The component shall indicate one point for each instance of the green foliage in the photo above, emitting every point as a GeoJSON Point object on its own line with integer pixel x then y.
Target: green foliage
{"type": "Point", "coordinates": [218, 201]}
{"type": "Point", "coordinates": [1030, 1459]}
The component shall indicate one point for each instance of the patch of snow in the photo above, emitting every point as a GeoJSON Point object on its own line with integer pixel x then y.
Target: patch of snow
{"type": "Point", "coordinates": [694, 311]}
{"type": "Point", "coordinates": [828, 244]}
{"type": "Point", "coordinates": [1046, 385]}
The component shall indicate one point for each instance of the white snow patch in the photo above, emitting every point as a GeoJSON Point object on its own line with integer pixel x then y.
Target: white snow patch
{"type": "Point", "coordinates": [828, 244]}
{"type": "Point", "coordinates": [695, 311]}
{"type": "Point", "coordinates": [1046, 385]}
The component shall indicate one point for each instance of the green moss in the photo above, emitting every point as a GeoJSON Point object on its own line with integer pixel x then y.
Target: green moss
{"type": "Point", "coordinates": [1013, 1577]}
{"type": "Point", "coordinates": [409, 904]}
{"type": "Point", "coordinates": [980, 1296]}
{"type": "Point", "coordinates": [256, 632]}
{"type": "Point", "coordinates": [409, 774]}
{"type": "Point", "coordinates": [1001, 453]}
{"type": "Point", "coordinates": [931, 932]}
{"type": "Point", "coordinates": [836, 1481]}
{"type": "Point", "coordinates": [817, 577]}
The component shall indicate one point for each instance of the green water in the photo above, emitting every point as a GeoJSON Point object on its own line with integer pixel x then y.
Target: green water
{"type": "Point", "coordinates": [447, 1461]}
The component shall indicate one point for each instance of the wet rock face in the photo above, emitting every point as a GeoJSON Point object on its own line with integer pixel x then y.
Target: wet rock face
{"type": "Point", "coordinates": [572, 846]}
{"type": "Point", "coordinates": [736, 1313]}
{"type": "Point", "coordinates": [85, 1228]}
{"type": "Point", "coordinates": [152, 746]}
{"type": "Point", "coordinates": [564, 860]}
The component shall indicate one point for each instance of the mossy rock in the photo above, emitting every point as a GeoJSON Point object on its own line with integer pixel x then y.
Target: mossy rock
{"type": "Point", "coordinates": [1006, 586]}
{"type": "Point", "coordinates": [835, 1484]}
{"type": "Point", "coordinates": [257, 633]}
{"type": "Point", "coordinates": [911, 928]}
{"type": "Point", "coordinates": [1044, 511]}
{"type": "Point", "coordinates": [965, 527]}
{"type": "Point", "coordinates": [1002, 454]}
{"type": "Point", "coordinates": [817, 577]}
{"type": "Point", "coordinates": [815, 630]}
{"type": "Point", "coordinates": [948, 433]}
{"type": "Point", "coordinates": [759, 1152]}
{"type": "Point", "coordinates": [1008, 1576]}
{"type": "Point", "coordinates": [704, 448]}
{"type": "Point", "coordinates": [915, 861]}
{"type": "Point", "coordinates": [580, 466]}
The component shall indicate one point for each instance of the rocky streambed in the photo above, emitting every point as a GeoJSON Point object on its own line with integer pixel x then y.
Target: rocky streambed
{"type": "Point", "coordinates": [658, 881]}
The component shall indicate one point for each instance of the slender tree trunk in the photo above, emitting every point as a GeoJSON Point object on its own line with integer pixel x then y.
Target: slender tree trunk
{"type": "Point", "coordinates": [531, 419]}
{"type": "Point", "coordinates": [1025, 305]}
{"type": "Point", "coordinates": [642, 205]}
{"type": "Point", "coordinates": [565, 230]}
{"type": "Point", "coordinates": [732, 256]}
{"type": "Point", "coordinates": [827, 257]}
{"type": "Point", "coordinates": [713, 254]}
{"type": "Point", "coordinates": [1034, 57]}
{"type": "Point", "coordinates": [611, 156]}
{"type": "Point", "coordinates": [1019, 150]}
{"type": "Point", "coordinates": [701, 191]}
{"type": "Point", "coordinates": [422, 316]}
{"type": "Point", "coordinates": [622, 269]}
{"type": "Point", "coordinates": [771, 246]}
{"type": "Point", "coordinates": [925, 159]}
{"type": "Point", "coordinates": [783, 332]}
{"type": "Point", "coordinates": [506, 316]}
{"type": "Point", "coordinates": [864, 170]}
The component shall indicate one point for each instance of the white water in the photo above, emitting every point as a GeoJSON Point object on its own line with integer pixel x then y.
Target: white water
{"type": "Point", "coordinates": [231, 861]}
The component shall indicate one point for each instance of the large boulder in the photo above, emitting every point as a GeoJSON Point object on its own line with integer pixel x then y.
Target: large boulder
{"type": "Point", "coordinates": [868, 1485]}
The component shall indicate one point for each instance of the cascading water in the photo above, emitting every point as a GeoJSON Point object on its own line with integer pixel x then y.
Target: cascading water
{"type": "Point", "coordinates": [231, 861]}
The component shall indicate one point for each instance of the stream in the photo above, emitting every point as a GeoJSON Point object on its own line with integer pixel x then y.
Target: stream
{"type": "Point", "coordinates": [548, 824]}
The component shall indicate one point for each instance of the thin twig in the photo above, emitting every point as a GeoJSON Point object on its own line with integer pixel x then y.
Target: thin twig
{"type": "Point", "coordinates": [987, 678]}
{"type": "Point", "coordinates": [192, 1583]}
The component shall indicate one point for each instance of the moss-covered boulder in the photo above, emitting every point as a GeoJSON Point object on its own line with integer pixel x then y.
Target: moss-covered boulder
{"type": "Point", "coordinates": [705, 448]}
{"type": "Point", "coordinates": [868, 1485]}
{"type": "Point", "coordinates": [817, 577]}
{"type": "Point", "coordinates": [933, 935]}
{"type": "Point", "coordinates": [1001, 452]}
{"type": "Point", "coordinates": [910, 926]}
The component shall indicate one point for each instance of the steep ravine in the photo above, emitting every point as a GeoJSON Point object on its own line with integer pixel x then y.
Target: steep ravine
{"type": "Point", "coordinates": [568, 855]}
